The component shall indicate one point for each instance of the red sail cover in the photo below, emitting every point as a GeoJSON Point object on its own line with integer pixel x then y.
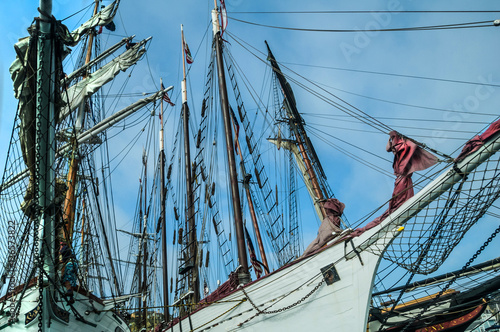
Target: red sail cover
{"type": "Point", "coordinates": [330, 226]}
{"type": "Point", "coordinates": [476, 142]}
{"type": "Point", "coordinates": [408, 158]}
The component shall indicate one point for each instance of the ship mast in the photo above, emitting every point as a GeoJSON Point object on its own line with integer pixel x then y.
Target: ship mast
{"type": "Point", "coordinates": [190, 220]}
{"type": "Point", "coordinates": [306, 149]}
{"type": "Point", "coordinates": [70, 201]}
{"type": "Point", "coordinates": [45, 152]}
{"type": "Point", "coordinates": [163, 218]}
{"type": "Point", "coordinates": [68, 216]}
{"type": "Point", "coordinates": [243, 274]}
{"type": "Point", "coordinates": [251, 208]}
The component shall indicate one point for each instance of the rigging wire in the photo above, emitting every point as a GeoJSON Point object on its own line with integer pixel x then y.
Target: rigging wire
{"type": "Point", "coordinates": [478, 24]}
{"type": "Point", "coordinates": [369, 12]}
{"type": "Point", "coordinates": [330, 116]}
{"type": "Point", "coordinates": [342, 105]}
{"type": "Point", "coordinates": [394, 74]}
{"type": "Point", "coordinates": [348, 108]}
{"type": "Point", "coordinates": [81, 10]}
{"type": "Point", "coordinates": [457, 111]}
{"type": "Point", "coordinates": [405, 127]}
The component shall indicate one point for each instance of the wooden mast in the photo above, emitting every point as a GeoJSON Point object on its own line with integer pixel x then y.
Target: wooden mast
{"type": "Point", "coordinates": [243, 274]}
{"type": "Point", "coordinates": [163, 195]}
{"type": "Point", "coordinates": [253, 215]}
{"type": "Point", "coordinates": [190, 220]}
{"type": "Point", "coordinates": [70, 201]}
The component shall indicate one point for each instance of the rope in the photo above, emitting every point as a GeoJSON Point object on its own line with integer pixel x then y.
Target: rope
{"type": "Point", "coordinates": [447, 286]}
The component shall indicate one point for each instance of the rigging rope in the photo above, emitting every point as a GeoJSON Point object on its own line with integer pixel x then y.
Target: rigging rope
{"type": "Point", "coordinates": [479, 24]}
{"type": "Point", "coordinates": [349, 109]}
{"type": "Point", "coordinates": [368, 12]}
{"type": "Point", "coordinates": [447, 286]}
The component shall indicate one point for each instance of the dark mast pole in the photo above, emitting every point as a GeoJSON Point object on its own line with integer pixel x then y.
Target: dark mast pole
{"type": "Point", "coordinates": [45, 156]}
{"type": "Point", "coordinates": [191, 225]}
{"type": "Point", "coordinates": [296, 123]}
{"type": "Point", "coordinates": [163, 195]}
{"type": "Point", "coordinates": [243, 274]}
{"type": "Point", "coordinates": [253, 215]}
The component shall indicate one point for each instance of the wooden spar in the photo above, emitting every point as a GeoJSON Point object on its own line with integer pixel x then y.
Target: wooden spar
{"type": "Point", "coordinates": [250, 202]}
{"type": "Point", "coordinates": [190, 220]}
{"type": "Point", "coordinates": [163, 197]}
{"type": "Point", "coordinates": [235, 197]}
{"type": "Point", "coordinates": [312, 174]}
{"type": "Point", "coordinates": [70, 201]}
{"type": "Point", "coordinates": [300, 134]}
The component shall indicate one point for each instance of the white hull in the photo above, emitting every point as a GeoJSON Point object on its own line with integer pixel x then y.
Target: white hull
{"type": "Point", "coordinates": [97, 316]}
{"type": "Point", "coordinates": [341, 306]}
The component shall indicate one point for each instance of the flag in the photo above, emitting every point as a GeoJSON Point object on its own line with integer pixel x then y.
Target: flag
{"type": "Point", "coordinates": [223, 17]}
{"type": "Point", "coordinates": [110, 26]}
{"type": "Point", "coordinates": [257, 266]}
{"type": "Point", "coordinates": [189, 58]}
{"type": "Point", "coordinates": [165, 96]}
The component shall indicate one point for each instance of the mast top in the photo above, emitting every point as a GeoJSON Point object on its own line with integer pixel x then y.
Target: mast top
{"type": "Point", "coordinates": [215, 21]}
{"type": "Point", "coordinates": [45, 9]}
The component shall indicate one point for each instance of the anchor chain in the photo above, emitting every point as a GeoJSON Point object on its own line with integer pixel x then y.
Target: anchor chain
{"type": "Point", "coordinates": [259, 312]}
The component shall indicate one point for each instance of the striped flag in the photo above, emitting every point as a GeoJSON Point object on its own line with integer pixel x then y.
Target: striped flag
{"type": "Point", "coordinates": [165, 96]}
{"type": "Point", "coordinates": [189, 58]}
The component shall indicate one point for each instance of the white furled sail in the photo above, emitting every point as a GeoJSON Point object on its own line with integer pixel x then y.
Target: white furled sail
{"type": "Point", "coordinates": [76, 94]}
{"type": "Point", "coordinates": [292, 147]}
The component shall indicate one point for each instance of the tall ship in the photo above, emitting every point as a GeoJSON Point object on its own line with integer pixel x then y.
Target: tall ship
{"type": "Point", "coordinates": [231, 223]}
{"type": "Point", "coordinates": [60, 256]}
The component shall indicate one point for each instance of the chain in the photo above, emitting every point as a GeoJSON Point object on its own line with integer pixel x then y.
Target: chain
{"type": "Point", "coordinates": [472, 259]}
{"type": "Point", "coordinates": [281, 309]}
{"type": "Point", "coordinates": [38, 252]}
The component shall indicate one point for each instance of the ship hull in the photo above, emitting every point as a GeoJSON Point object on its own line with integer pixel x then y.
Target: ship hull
{"type": "Point", "coordinates": [85, 314]}
{"type": "Point", "coordinates": [306, 295]}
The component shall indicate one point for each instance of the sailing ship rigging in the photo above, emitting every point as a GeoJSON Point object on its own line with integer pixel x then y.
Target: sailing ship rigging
{"type": "Point", "coordinates": [424, 257]}
{"type": "Point", "coordinates": [209, 251]}
{"type": "Point", "coordinates": [59, 271]}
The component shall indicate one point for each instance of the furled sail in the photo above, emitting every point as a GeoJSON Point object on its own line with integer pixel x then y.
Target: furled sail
{"type": "Point", "coordinates": [23, 74]}
{"type": "Point", "coordinates": [102, 18]}
{"type": "Point", "coordinates": [292, 147]}
{"type": "Point", "coordinates": [76, 94]}
{"type": "Point", "coordinates": [18, 67]}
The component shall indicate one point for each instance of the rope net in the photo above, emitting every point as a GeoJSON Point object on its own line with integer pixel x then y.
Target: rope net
{"type": "Point", "coordinates": [429, 237]}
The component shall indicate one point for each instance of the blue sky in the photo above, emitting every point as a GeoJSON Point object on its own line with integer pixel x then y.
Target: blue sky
{"type": "Point", "coordinates": [469, 55]}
